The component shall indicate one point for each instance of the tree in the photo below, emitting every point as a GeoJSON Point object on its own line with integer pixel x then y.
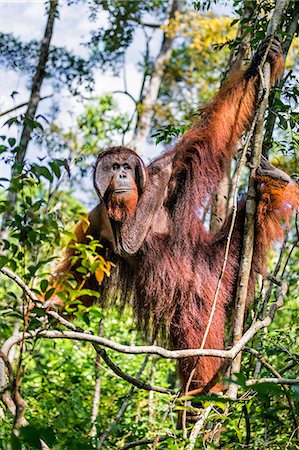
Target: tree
{"type": "Point", "coordinates": [33, 103]}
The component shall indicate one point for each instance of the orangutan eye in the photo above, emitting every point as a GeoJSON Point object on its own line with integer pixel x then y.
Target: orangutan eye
{"type": "Point", "coordinates": [126, 166]}
{"type": "Point", "coordinates": [115, 166]}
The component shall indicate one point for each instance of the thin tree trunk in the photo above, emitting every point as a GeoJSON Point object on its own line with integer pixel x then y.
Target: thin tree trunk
{"type": "Point", "coordinates": [33, 101]}
{"type": "Point", "coordinates": [146, 106]}
{"type": "Point", "coordinates": [220, 202]}
{"type": "Point", "coordinates": [248, 240]}
{"type": "Point", "coordinates": [220, 205]}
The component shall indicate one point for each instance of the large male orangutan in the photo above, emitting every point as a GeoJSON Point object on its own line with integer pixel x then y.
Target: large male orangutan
{"type": "Point", "coordinates": [167, 263]}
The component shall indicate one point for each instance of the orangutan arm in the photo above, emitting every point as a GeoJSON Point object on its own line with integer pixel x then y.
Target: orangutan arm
{"type": "Point", "coordinates": [202, 154]}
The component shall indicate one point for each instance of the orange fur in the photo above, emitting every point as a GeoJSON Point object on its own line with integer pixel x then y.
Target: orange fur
{"type": "Point", "coordinates": [276, 203]}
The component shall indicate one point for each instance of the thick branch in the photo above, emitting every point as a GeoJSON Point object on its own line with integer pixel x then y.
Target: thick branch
{"type": "Point", "coordinates": [150, 349]}
{"type": "Point", "coordinates": [131, 349]}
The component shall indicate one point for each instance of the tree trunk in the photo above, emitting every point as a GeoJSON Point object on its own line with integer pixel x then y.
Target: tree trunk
{"type": "Point", "coordinates": [146, 105]}
{"type": "Point", "coordinates": [33, 102]}
{"type": "Point", "coordinates": [220, 205]}
{"type": "Point", "coordinates": [248, 239]}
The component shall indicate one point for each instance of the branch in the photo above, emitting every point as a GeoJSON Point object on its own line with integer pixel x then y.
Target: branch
{"type": "Point", "coordinates": [21, 106]}
{"type": "Point", "coordinates": [146, 24]}
{"type": "Point", "coordinates": [136, 382]}
{"type": "Point", "coordinates": [36, 85]}
{"type": "Point", "coordinates": [20, 283]}
{"type": "Point", "coordinates": [262, 360]}
{"type": "Point", "coordinates": [10, 342]}
{"type": "Point", "coordinates": [287, 381]}
{"type": "Point", "coordinates": [126, 93]}
{"type": "Point", "coordinates": [272, 369]}
{"type": "Point", "coordinates": [198, 426]}
{"type": "Point", "coordinates": [3, 384]}
{"type": "Point", "coordinates": [131, 349]}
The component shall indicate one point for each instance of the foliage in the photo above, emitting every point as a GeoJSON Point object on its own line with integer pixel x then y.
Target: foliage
{"type": "Point", "coordinates": [101, 124]}
{"type": "Point", "coordinates": [193, 72]}
{"type": "Point", "coordinates": [108, 44]}
{"type": "Point", "coordinates": [63, 68]}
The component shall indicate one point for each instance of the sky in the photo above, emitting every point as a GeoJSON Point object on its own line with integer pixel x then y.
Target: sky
{"type": "Point", "coordinates": [27, 20]}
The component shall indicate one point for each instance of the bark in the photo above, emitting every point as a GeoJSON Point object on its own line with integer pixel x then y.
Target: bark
{"type": "Point", "coordinates": [248, 240]}
{"type": "Point", "coordinates": [220, 205]}
{"type": "Point", "coordinates": [146, 104]}
{"type": "Point", "coordinates": [33, 102]}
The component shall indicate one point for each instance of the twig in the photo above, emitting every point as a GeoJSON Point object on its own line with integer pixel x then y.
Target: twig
{"type": "Point", "coordinates": [262, 360]}
{"type": "Point", "coordinates": [97, 389]}
{"type": "Point", "coordinates": [268, 366]}
{"type": "Point", "coordinates": [21, 106]}
{"type": "Point", "coordinates": [20, 282]}
{"type": "Point", "coordinates": [137, 383]}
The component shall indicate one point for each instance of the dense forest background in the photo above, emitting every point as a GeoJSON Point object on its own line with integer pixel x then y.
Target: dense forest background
{"type": "Point", "coordinates": [137, 76]}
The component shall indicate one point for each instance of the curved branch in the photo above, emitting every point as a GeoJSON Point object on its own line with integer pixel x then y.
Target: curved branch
{"type": "Point", "coordinates": [135, 381]}
{"type": "Point", "coordinates": [136, 350]}
{"type": "Point", "coordinates": [126, 93]}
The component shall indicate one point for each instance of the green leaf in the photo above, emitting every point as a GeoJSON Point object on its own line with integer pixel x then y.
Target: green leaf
{"type": "Point", "coordinates": [11, 141]}
{"type": "Point", "coordinates": [43, 285]}
{"type": "Point", "coordinates": [55, 166]}
{"type": "Point", "coordinates": [46, 173]}
{"type": "Point", "coordinates": [49, 293]}
{"type": "Point", "coordinates": [9, 122]}
{"type": "Point", "coordinates": [234, 22]}
{"type": "Point", "coordinates": [268, 388]}
{"type": "Point", "coordinates": [3, 260]}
